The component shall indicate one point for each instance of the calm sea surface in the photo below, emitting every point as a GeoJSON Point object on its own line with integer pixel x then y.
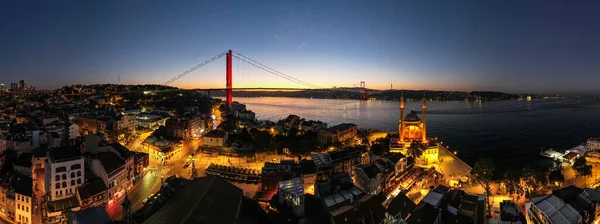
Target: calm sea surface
{"type": "Point", "coordinates": [511, 132]}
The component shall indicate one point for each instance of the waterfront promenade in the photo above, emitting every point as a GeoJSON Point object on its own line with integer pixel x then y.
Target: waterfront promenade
{"type": "Point", "coordinates": [450, 165]}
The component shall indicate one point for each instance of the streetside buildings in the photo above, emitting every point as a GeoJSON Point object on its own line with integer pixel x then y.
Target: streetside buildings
{"type": "Point", "coordinates": [64, 172]}
{"type": "Point", "coordinates": [92, 194]}
{"type": "Point", "coordinates": [338, 133]}
{"type": "Point", "coordinates": [185, 127]}
{"type": "Point", "coordinates": [111, 169]}
{"type": "Point", "coordinates": [344, 160]}
{"type": "Point", "coordinates": [16, 197]}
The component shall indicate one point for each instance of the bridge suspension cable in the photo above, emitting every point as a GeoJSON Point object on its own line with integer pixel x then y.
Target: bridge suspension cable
{"type": "Point", "coordinates": [194, 68]}
{"type": "Point", "coordinates": [273, 71]}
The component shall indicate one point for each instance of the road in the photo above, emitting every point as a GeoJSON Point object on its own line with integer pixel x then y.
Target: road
{"type": "Point", "coordinates": [157, 172]}
{"type": "Point", "coordinates": [149, 185]}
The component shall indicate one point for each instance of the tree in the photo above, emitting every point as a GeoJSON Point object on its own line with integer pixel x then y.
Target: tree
{"type": "Point", "coordinates": [415, 149]}
{"type": "Point", "coordinates": [533, 180]}
{"type": "Point", "coordinates": [581, 168]}
{"type": "Point", "coordinates": [262, 140]}
{"type": "Point", "coordinates": [556, 177]}
{"type": "Point", "coordinates": [377, 149]}
{"type": "Point", "coordinates": [482, 173]}
{"type": "Point", "coordinates": [512, 182]}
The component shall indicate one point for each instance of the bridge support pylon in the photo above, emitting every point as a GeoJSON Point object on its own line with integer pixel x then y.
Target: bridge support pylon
{"type": "Point", "coordinates": [363, 92]}
{"type": "Point", "coordinates": [229, 84]}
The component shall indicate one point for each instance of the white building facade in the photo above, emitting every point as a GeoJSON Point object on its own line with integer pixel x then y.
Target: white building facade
{"type": "Point", "coordinates": [64, 172]}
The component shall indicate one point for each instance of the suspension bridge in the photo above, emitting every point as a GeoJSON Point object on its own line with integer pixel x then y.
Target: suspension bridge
{"type": "Point", "coordinates": [229, 55]}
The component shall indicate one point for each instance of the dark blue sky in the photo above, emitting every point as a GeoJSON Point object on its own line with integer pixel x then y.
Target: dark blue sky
{"type": "Point", "coordinates": [512, 46]}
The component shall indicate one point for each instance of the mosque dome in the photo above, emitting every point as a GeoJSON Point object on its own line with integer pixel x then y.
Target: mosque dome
{"type": "Point", "coordinates": [412, 117]}
{"type": "Point", "coordinates": [151, 139]}
{"type": "Point", "coordinates": [161, 143]}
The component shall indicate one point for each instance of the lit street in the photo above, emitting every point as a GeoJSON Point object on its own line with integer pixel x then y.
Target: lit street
{"type": "Point", "coordinates": [149, 185]}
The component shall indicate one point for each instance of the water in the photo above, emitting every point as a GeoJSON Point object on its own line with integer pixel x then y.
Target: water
{"type": "Point", "coordinates": [511, 132]}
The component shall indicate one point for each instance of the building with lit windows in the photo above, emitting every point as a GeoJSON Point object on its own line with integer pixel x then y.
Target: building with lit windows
{"type": "Point", "coordinates": [184, 127]}
{"type": "Point", "coordinates": [338, 133]}
{"type": "Point", "coordinates": [111, 168]}
{"type": "Point", "coordinates": [92, 194]}
{"type": "Point", "coordinates": [346, 159]}
{"type": "Point", "coordinates": [215, 138]}
{"type": "Point", "coordinates": [64, 172]}
{"type": "Point", "coordinates": [22, 187]}
{"type": "Point", "coordinates": [593, 145]}
{"type": "Point", "coordinates": [161, 150]}
{"type": "Point", "coordinates": [368, 178]}
{"type": "Point", "coordinates": [16, 202]}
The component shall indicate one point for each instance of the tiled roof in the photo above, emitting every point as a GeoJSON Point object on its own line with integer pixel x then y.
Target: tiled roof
{"type": "Point", "coordinates": [110, 161]}
{"type": "Point", "coordinates": [556, 210]}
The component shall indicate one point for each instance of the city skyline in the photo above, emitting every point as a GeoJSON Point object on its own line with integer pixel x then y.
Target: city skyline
{"type": "Point", "coordinates": [515, 47]}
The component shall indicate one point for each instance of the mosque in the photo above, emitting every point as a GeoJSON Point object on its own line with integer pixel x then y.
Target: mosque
{"type": "Point", "coordinates": [413, 129]}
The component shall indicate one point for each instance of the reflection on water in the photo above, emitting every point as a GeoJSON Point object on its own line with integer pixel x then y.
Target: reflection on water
{"type": "Point", "coordinates": [509, 131]}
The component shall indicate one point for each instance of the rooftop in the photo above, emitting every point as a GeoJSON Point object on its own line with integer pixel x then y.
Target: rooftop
{"type": "Point", "coordinates": [308, 166]}
{"type": "Point", "coordinates": [401, 205]}
{"type": "Point", "coordinates": [556, 210]}
{"type": "Point", "coordinates": [394, 157]}
{"type": "Point", "coordinates": [91, 188]}
{"type": "Point", "coordinates": [216, 134]}
{"type": "Point", "coordinates": [369, 210]}
{"type": "Point", "coordinates": [292, 186]}
{"type": "Point", "coordinates": [110, 161]}
{"type": "Point", "coordinates": [65, 153]}
{"type": "Point", "coordinates": [321, 160]}
{"type": "Point", "coordinates": [425, 213]}
{"type": "Point", "coordinates": [24, 160]}
{"type": "Point", "coordinates": [340, 127]}
{"type": "Point", "coordinates": [370, 170]}
{"type": "Point", "coordinates": [203, 200]}
{"type": "Point", "coordinates": [62, 205]}
{"type": "Point", "coordinates": [94, 215]}
{"type": "Point", "coordinates": [509, 211]}
{"type": "Point", "coordinates": [433, 198]}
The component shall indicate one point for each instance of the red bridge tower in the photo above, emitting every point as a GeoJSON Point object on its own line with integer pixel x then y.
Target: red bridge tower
{"type": "Point", "coordinates": [229, 84]}
{"type": "Point", "coordinates": [363, 91]}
